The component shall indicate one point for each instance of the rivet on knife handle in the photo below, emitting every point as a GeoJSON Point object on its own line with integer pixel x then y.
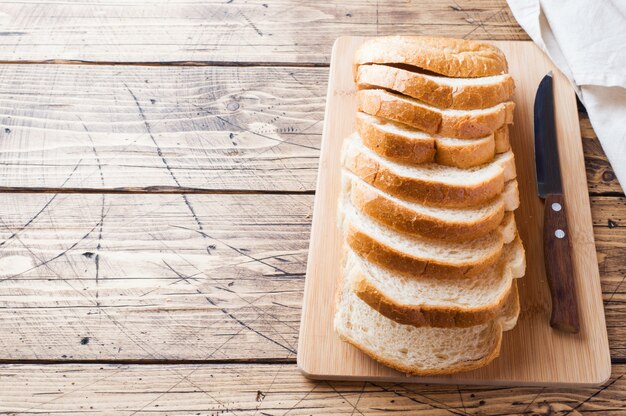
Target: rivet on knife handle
{"type": "Point", "coordinates": [559, 265]}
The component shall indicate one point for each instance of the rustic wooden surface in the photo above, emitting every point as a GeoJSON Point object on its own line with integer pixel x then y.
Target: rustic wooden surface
{"type": "Point", "coordinates": [280, 32]}
{"type": "Point", "coordinates": [101, 303]}
{"type": "Point", "coordinates": [110, 127]}
{"type": "Point", "coordinates": [137, 277]}
{"type": "Point", "coordinates": [275, 389]}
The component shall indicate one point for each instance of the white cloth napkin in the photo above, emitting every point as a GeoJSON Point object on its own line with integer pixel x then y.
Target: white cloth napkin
{"type": "Point", "coordinates": [586, 39]}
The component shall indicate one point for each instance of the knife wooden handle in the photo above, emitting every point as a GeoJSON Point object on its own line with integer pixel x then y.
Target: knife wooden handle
{"type": "Point", "coordinates": [557, 252]}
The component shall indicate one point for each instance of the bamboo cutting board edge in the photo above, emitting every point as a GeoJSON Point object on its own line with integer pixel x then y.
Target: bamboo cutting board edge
{"type": "Point", "coordinates": [401, 378]}
{"type": "Point", "coordinates": [321, 355]}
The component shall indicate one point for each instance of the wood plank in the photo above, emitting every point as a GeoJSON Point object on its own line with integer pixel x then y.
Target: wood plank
{"type": "Point", "coordinates": [110, 127]}
{"type": "Point", "coordinates": [273, 390]}
{"type": "Point", "coordinates": [156, 277]}
{"type": "Point", "coordinates": [600, 176]}
{"type": "Point", "coordinates": [217, 128]}
{"type": "Point", "coordinates": [231, 31]}
{"type": "Point", "coordinates": [141, 308]}
{"type": "Point", "coordinates": [609, 218]}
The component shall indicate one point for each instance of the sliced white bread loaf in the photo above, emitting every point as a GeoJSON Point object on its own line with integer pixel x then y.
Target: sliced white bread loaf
{"type": "Point", "coordinates": [403, 144]}
{"type": "Point", "coordinates": [421, 351]}
{"type": "Point", "coordinates": [416, 256]}
{"type": "Point", "coordinates": [449, 57]}
{"type": "Point", "coordinates": [429, 183]}
{"type": "Point", "coordinates": [432, 251]}
{"type": "Point", "coordinates": [440, 302]}
{"type": "Point", "coordinates": [450, 224]}
{"type": "Point", "coordinates": [464, 124]}
{"type": "Point", "coordinates": [438, 91]}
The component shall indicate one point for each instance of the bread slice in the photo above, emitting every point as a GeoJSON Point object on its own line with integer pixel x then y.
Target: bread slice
{"type": "Point", "coordinates": [450, 224]}
{"type": "Point", "coordinates": [463, 153]}
{"type": "Point", "coordinates": [438, 91]}
{"type": "Point", "coordinates": [395, 141]}
{"type": "Point", "coordinates": [449, 57]}
{"type": "Point", "coordinates": [420, 351]}
{"type": "Point", "coordinates": [416, 256]}
{"type": "Point", "coordinates": [431, 183]}
{"type": "Point", "coordinates": [403, 144]}
{"type": "Point", "coordinates": [464, 124]}
{"type": "Point", "coordinates": [440, 302]}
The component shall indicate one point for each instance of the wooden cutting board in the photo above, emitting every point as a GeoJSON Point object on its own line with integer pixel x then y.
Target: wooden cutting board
{"type": "Point", "coordinates": [532, 353]}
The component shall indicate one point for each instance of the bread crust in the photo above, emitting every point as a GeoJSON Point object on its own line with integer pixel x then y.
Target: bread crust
{"type": "Point", "coordinates": [435, 315]}
{"type": "Point", "coordinates": [386, 105]}
{"type": "Point", "coordinates": [503, 324]}
{"type": "Point", "coordinates": [417, 371]}
{"type": "Point", "coordinates": [511, 193]}
{"type": "Point", "coordinates": [421, 190]}
{"type": "Point", "coordinates": [450, 57]}
{"type": "Point", "coordinates": [496, 328]}
{"type": "Point", "coordinates": [495, 332]}
{"type": "Point", "coordinates": [403, 219]}
{"type": "Point", "coordinates": [475, 126]}
{"type": "Point", "coordinates": [501, 138]}
{"type": "Point", "coordinates": [434, 91]}
{"type": "Point", "coordinates": [405, 110]}
{"type": "Point", "coordinates": [388, 257]}
{"type": "Point", "coordinates": [410, 151]}
{"type": "Point", "coordinates": [510, 314]}
{"type": "Point", "coordinates": [383, 104]}
{"type": "Point", "coordinates": [394, 146]}
{"type": "Point", "coordinates": [467, 155]}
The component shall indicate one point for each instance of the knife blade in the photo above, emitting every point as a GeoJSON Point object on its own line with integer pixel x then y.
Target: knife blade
{"type": "Point", "coordinates": [556, 241]}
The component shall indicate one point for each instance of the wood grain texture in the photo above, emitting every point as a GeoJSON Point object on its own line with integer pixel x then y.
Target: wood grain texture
{"type": "Point", "coordinates": [274, 390]}
{"type": "Point", "coordinates": [600, 176]}
{"type": "Point", "coordinates": [609, 222]}
{"type": "Point", "coordinates": [558, 262]}
{"type": "Point", "coordinates": [110, 127]}
{"type": "Point", "coordinates": [143, 307]}
{"type": "Point", "coordinates": [283, 31]}
{"type": "Point", "coordinates": [217, 128]}
{"type": "Point", "coordinates": [151, 277]}
{"type": "Point", "coordinates": [532, 353]}
{"type": "Point", "coordinates": [190, 32]}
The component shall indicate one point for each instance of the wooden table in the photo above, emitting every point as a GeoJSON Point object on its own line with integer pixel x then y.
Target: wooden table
{"type": "Point", "coordinates": [158, 166]}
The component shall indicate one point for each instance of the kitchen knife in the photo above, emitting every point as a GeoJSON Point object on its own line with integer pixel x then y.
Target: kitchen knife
{"type": "Point", "coordinates": [556, 238]}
